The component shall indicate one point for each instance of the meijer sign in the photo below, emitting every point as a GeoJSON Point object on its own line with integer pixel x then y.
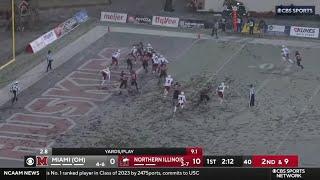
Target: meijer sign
{"type": "Point", "coordinates": [304, 32]}
{"type": "Point", "coordinates": [113, 17]}
{"type": "Point", "coordinates": [165, 21]}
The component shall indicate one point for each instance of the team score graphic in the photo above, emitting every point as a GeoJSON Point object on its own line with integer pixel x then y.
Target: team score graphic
{"type": "Point", "coordinates": [227, 161]}
{"type": "Point", "coordinates": [247, 162]}
{"type": "Point", "coordinates": [184, 164]}
{"type": "Point", "coordinates": [196, 161]}
{"type": "Point", "coordinates": [193, 162]}
{"type": "Point", "coordinates": [112, 161]}
{"type": "Point", "coordinates": [194, 151]}
{"type": "Point", "coordinates": [44, 151]}
{"type": "Point", "coordinates": [266, 161]}
{"type": "Point", "coordinates": [273, 162]}
{"type": "Point", "coordinates": [102, 164]}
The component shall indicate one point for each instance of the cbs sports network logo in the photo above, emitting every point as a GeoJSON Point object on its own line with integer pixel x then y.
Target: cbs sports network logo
{"type": "Point", "coordinates": [295, 10]}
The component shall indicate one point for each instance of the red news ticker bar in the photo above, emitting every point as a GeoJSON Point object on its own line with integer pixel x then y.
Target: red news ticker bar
{"type": "Point", "coordinates": [140, 161]}
{"type": "Point", "coordinates": [275, 161]}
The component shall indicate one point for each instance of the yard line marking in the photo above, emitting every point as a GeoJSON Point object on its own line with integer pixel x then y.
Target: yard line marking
{"type": "Point", "coordinates": [221, 67]}
{"type": "Point", "coordinates": [230, 58]}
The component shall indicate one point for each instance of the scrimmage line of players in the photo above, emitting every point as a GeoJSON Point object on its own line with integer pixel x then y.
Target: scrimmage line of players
{"type": "Point", "coordinates": [159, 67]}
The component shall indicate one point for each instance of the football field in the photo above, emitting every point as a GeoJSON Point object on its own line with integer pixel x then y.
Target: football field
{"type": "Point", "coordinates": [67, 108]}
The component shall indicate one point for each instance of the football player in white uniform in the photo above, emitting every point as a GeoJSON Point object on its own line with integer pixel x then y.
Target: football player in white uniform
{"type": "Point", "coordinates": [181, 102]}
{"type": "Point", "coordinates": [220, 91]}
{"type": "Point", "coordinates": [167, 85]}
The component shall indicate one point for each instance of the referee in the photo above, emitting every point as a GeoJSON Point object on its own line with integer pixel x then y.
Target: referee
{"type": "Point", "coordinates": [215, 29]}
{"type": "Point", "coordinates": [14, 89]}
{"type": "Point", "coordinates": [49, 61]}
{"type": "Point", "coordinates": [252, 93]}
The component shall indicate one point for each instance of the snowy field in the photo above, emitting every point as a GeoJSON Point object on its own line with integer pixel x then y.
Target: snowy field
{"type": "Point", "coordinates": [284, 121]}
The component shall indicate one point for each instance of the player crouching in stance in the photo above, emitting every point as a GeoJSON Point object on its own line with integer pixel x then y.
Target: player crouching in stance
{"type": "Point", "coordinates": [14, 89]}
{"type": "Point", "coordinates": [167, 84]}
{"type": "Point", "coordinates": [181, 101]}
{"type": "Point", "coordinates": [220, 91]}
{"type": "Point", "coordinates": [115, 58]}
{"type": "Point", "coordinates": [285, 53]}
{"type": "Point", "coordinates": [299, 59]}
{"type": "Point", "coordinates": [106, 74]}
{"type": "Point", "coordinates": [204, 97]}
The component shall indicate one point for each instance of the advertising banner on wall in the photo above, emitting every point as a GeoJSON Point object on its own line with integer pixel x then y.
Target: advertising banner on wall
{"type": "Point", "coordinates": [37, 45]}
{"type": "Point", "coordinates": [165, 21]}
{"type": "Point", "coordinates": [191, 23]}
{"type": "Point", "coordinates": [139, 19]}
{"type": "Point", "coordinates": [49, 37]}
{"type": "Point", "coordinates": [66, 27]}
{"type": "Point", "coordinates": [113, 17]}
{"type": "Point", "coordinates": [304, 32]}
{"type": "Point", "coordinates": [58, 32]}
{"type": "Point", "coordinates": [81, 16]}
{"type": "Point", "coordinates": [276, 28]}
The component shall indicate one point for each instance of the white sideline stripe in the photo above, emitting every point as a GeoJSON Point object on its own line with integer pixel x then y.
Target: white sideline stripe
{"type": "Point", "coordinates": [62, 56]}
